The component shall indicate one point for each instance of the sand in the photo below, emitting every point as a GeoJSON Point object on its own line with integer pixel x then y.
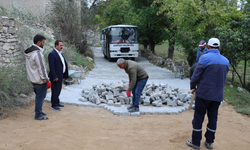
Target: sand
{"type": "Point", "coordinates": [86, 128]}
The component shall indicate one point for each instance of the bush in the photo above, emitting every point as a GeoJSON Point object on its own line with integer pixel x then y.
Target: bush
{"type": "Point", "coordinates": [69, 24]}
{"type": "Point", "coordinates": [72, 56]}
{"type": "Point", "coordinates": [13, 82]}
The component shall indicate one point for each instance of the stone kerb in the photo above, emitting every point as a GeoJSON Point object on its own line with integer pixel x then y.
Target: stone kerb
{"type": "Point", "coordinates": [9, 44]}
{"type": "Point", "coordinates": [159, 61]}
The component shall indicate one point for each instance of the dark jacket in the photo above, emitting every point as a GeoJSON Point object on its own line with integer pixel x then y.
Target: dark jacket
{"type": "Point", "coordinates": [56, 66]}
{"type": "Point", "coordinates": [199, 53]}
{"type": "Point", "coordinates": [210, 75]}
{"type": "Point", "coordinates": [135, 73]}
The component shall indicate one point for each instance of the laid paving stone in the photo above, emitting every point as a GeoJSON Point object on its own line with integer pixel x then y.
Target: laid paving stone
{"type": "Point", "coordinates": [82, 99]}
{"type": "Point", "coordinates": [135, 114]}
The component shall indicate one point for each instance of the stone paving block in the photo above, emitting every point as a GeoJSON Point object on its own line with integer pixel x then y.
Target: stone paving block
{"type": "Point", "coordinates": [110, 102]}
{"type": "Point", "coordinates": [149, 91]}
{"type": "Point", "coordinates": [101, 90]}
{"type": "Point", "coordinates": [181, 96]}
{"type": "Point", "coordinates": [103, 101]}
{"type": "Point", "coordinates": [179, 103]}
{"type": "Point", "coordinates": [80, 105]}
{"type": "Point", "coordinates": [126, 100]}
{"type": "Point", "coordinates": [104, 93]}
{"type": "Point", "coordinates": [97, 99]}
{"type": "Point", "coordinates": [109, 96]}
{"type": "Point", "coordinates": [119, 85]}
{"type": "Point", "coordinates": [117, 113]}
{"type": "Point", "coordinates": [82, 99]}
{"type": "Point", "coordinates": [115, 92]}
{"type": "Point", "coordinates": [66, 103]}
{"type": "Point", "coordinates": [125, 113]}
{"type": "Point", "coordinates": [171, 103]}
{"type": "Point", "coordinates": [117, 104]}
{"type": "Point", "coordinates": [135, 114]}
{"type": "Point", "coordinates": [157, 103]}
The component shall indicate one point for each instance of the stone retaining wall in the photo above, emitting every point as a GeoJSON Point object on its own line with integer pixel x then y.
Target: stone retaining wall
{"type": "Point", "coordinates": [10, 47]}
{"type": "Point", "coordinates": [167, 62]}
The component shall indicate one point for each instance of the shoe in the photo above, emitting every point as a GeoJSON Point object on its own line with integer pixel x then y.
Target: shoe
{"type": "Point", "coordinates": [60, 105]}
{"type": "Point", "coordinates": [189, 143]}
{"type": "Point", "coordinates": [134, 109]}
{"type": "Point", "coordinates": [44, 114]}
{"type": "Point", "coordinates": [56, 108]}
{"type": "Point", "coordinates": [208, 145]}
{"type": "Point", "coordinates": [130, 107]}
{"type": "Point", "coordinates": [41, 118]}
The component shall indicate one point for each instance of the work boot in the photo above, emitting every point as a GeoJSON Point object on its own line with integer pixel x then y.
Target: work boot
{"type": "Point", "coordinates": [189, 143]}
{"type": "Point", "coordinates": [208, 145]}
{"type": "Point", "coordinates": [130, 107]}
{"type": "Point", "coordinates": [134, 109]}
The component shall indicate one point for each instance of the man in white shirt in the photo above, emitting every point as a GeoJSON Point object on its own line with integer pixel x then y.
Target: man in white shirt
{"type": "Point", "coordinates": [58, 71]}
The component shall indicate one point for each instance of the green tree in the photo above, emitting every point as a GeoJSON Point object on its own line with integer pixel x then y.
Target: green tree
{"type": "Point", "coordinates": [196, 20]}
{"type": "Point", "coordinates": [235, 43]}
{"type": "Point", "coordinates": [118, 12]}
{"type": "Point", "coordinates": [151, 26]}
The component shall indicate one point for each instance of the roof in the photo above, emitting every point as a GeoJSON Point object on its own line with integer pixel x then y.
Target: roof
{"type": "Point", "coordinates": [120, 25]}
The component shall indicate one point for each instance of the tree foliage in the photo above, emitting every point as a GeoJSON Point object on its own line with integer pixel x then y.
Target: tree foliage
{"type": "Point", "coordinates": [71, 21]}
{"type": "Point", "coordinates": [186, 23]}
{"type": "Point", "coordinates": [235, 42]}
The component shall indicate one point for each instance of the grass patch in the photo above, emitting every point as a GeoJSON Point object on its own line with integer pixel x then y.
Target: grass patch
{"type": "Point", "coordinates": [74, 58]}
{"type": "Point", "coordinates": [240, 100]}
{"type": "Point", "coordinates": [162, 51]}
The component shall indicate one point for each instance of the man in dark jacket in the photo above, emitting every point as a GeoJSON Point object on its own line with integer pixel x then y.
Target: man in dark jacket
{"type": "Point", "coordinates": [58, 70]}
{"type": "Point", "coordinates": [138, 78]}
{"type": "Point", "coordinates": [209, 77]}
{"type": "Point", "coordinates": [201, 50]}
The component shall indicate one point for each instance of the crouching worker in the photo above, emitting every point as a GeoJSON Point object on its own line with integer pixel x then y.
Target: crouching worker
{"type": "Point", "coordinates": [138, 78]}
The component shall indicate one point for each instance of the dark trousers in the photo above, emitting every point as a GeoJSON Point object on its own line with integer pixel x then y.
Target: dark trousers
{"type": "Point", "coordinates": [137, 90]}
{"type": "Point", "coordinates": [55, 92]}
{"type": "Point", "coordinates": [202, 107]}
{"type": "Point", "coordinates": [40, 91]}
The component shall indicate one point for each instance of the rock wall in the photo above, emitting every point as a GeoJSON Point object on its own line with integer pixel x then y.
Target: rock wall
{"type": "Point", "coordinates": [10, 47]}
{"type": "Point", "coordinates": [13, 44]}
{"type": "Point", "coordinates": [36, 7]}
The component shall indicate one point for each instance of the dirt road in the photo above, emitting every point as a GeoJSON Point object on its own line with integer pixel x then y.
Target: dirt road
{"type": "Point", "coordinates": [84, 128]}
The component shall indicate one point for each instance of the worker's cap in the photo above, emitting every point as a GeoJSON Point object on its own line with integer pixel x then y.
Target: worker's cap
{"type": "Point", "coordinates": [214, 42]}
{"type": "Point", "coordinates": [202, 43]}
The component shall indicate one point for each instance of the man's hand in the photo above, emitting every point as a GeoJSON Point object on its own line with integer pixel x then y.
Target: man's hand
{"type": "Point", "coordinates": [55, 80]}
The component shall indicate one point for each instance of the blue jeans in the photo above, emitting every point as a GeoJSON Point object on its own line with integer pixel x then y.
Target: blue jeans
{"type": "Point", "coordinates": [137, 90]}
{"type": "Point", "coordinates": [40, 91]}
{"type": "Point", "coordinates": [202, 107]}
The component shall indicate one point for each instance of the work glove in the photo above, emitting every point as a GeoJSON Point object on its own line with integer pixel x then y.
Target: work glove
{"type": "Point", "coordinates": [48, 84]}
{"type": "Point", "coordinates": [128, 92]}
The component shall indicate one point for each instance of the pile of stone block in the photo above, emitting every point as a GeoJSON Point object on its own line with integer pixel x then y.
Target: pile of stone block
{"type": "Point", "coordinates": [114, 94]}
